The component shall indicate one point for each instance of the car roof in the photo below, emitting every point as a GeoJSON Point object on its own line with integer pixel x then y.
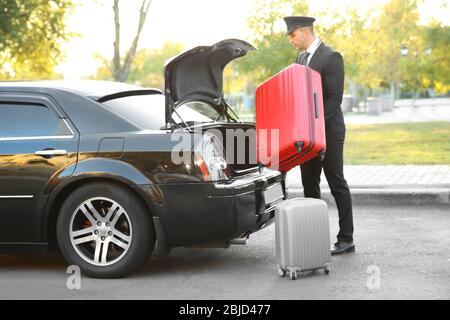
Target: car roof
{"type": "Point", "coordinates": [89, 88]}
{"type": "Point", "coordinates": [88, 116]}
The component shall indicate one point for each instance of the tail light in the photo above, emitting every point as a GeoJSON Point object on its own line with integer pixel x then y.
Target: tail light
{"type": "Point", "coordinates": [209, 159]}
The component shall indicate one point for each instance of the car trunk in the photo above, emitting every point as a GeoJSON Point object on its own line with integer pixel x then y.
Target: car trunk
{"type": "Point", "coordinates": [239, 145]}
{"type": "Point", "coordinates": [197, 75]}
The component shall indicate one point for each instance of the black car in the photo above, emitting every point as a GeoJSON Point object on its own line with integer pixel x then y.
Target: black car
{"type": "Point", "coordinates": [92, 169]}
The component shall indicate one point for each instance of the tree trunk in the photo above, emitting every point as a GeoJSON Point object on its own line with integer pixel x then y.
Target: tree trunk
{"type": "Point", "coordinates": [116, 62]}
{"type": "Point", "coordinates": [393, 91]}
{"type": "Point", "coordinates": [121, 69]}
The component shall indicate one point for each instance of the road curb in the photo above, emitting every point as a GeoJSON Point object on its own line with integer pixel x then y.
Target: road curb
{"type": "Point", "coordinates": [422, 196]}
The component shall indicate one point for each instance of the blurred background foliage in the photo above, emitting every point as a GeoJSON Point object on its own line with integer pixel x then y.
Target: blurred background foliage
{"type": "Point", "coordinates": [369, 40]}
{"type": "Point", "coordinates": [32, 33]}
{"type": "Point", "coordinates": [147, 67]}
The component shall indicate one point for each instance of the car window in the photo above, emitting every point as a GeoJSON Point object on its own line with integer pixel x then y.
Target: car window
{"type": "Point", "coordinates": [203, 111]}
{"type": "Point", "coordinates": [195, 111]}
{"type": "Point", "coordinates": [148, 111]}
{"type": "Point", "coordinates": [30, 120]}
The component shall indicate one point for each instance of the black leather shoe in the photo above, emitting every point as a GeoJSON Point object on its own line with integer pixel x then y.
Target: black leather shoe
{"type": "Point", "coordinates": [342, 247]}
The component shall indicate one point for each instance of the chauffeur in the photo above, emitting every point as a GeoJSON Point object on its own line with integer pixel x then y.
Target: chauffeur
{"type": "Point", "coordinates": [330, 65]}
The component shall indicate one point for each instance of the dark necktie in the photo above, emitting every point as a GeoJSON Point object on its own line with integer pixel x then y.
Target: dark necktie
{"type": "Point", "coordinates": [304, 59]}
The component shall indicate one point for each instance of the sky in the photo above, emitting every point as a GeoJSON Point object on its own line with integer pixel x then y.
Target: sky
{"type": "Point", "coordinates": [193, 22]}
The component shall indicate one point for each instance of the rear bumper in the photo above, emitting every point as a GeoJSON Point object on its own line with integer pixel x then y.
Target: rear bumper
{"type": "Point", "coordinates": [195, 213]}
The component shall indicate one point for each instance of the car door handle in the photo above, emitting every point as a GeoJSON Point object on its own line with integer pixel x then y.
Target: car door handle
{"type": "Point", "coordinates": [51, 153]}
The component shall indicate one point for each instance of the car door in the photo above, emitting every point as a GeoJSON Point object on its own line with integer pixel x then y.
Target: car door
{"type": "Point", "coordinates": [37, 142]}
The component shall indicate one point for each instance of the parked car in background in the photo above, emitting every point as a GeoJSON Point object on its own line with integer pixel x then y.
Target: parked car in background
{"type": "Point", "coordinates": [86, 168]}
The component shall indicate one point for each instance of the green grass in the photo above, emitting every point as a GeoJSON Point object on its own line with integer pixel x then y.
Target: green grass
{"type": "Point", "coordinates": [405, 143]}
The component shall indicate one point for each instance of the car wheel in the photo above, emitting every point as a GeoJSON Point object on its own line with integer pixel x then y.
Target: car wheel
{"type": "Point", "coordinates": [105, 230]}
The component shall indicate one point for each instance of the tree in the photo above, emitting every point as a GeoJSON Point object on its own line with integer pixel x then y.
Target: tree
{"type": "Point", "coordinates": [147, 67]}
{"type": "Point", "coordinates": [368, 38]}
{"type": "Point", "coordinates": [274, 52]}
{"type": "Point", "coordinates": [435, 63]}
{"type": "Point", "coordinates": [31, 33]}
{"type": "Point", "coordinates": [121, 68]}
{"type": "Point", "coordinates": [397, 26]}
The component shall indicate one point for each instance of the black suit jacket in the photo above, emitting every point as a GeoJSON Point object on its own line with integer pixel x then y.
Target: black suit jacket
{"type": "Point", "coordinates": [330, 65]}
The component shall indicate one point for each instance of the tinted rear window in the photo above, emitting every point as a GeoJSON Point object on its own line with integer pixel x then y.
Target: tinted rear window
{"type": "Point", "coordinates": [29, 120]}
{"type": "Point", "coordinates": [147, 112]}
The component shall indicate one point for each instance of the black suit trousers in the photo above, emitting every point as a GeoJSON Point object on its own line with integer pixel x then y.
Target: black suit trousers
{"type": "Point", "coordinates": [333, 167]}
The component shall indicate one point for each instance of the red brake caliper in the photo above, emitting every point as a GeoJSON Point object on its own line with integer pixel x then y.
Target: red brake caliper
{"type": "Point", "coordinates": [87, 224]}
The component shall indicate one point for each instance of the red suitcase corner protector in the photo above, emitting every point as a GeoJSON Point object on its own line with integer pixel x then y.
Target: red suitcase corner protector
{"type": "Point", "coordinates": [290, 118]}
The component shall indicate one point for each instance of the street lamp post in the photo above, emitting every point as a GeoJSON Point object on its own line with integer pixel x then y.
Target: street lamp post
{"type": "Point", "coordinates": [404, 52]}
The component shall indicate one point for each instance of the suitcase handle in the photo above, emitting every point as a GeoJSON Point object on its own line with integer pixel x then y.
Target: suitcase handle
{"type": "Point", "coordinates": [316, 105]}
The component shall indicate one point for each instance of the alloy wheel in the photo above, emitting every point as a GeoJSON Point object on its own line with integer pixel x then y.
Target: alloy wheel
{"type": "Point", "coordinates": [100, 231]}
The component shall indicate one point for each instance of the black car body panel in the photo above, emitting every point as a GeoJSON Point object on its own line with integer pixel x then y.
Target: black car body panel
{"type": "Point", "coordinates": [24, 175]}
{"type": "Point", "coordinates": [100, 144]}
{"type": "Point", "coordinates": [212, 211]}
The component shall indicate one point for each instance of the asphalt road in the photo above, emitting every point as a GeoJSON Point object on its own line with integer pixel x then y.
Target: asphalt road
{"type": "Point", "coordinates": [402, 253]}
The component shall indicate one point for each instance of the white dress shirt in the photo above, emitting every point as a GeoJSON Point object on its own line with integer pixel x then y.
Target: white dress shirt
{"type": "Point", "coordinates": [312, 48]}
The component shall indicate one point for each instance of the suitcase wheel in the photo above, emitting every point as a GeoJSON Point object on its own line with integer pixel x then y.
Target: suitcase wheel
{"type": "Point", "coordinates": [322, 154]}
{"type": "Point", "coordinates": [299, 145]}
{"type": "Point", "coordinates": [327, 270]}
{"type": "Point", "coordinates": [281, 272]}
{"type": "Point", "coordinates": [293, 275]}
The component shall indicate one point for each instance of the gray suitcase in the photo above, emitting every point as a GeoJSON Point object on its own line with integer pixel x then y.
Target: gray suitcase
{"type": "Point", "coordinates": [302, 232]}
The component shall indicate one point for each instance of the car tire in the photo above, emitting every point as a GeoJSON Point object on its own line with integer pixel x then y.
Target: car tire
{"type": "Point", "coordinates": [83, 230]}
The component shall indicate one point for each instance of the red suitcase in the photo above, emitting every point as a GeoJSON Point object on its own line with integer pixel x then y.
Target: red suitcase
{"type": "Point", "coordinates": [290, 101]}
